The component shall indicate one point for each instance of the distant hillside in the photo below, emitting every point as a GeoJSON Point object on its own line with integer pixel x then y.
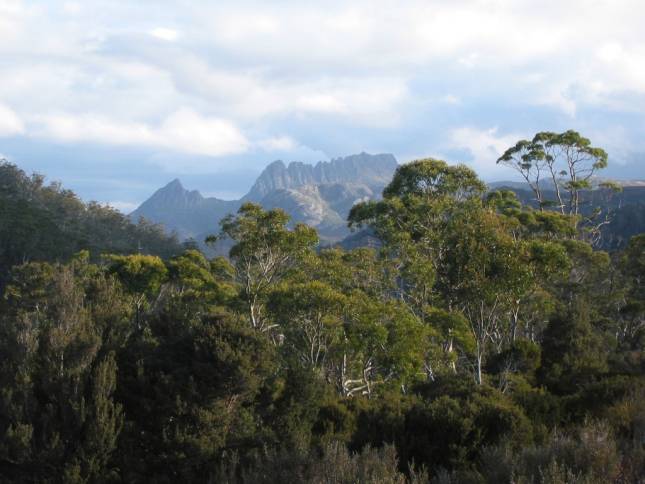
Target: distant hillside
{"type": "Point", "coordinates": [40, 222]}
{"type": "Point", "coordinates": [624, 210]}
{"type": "Point", "coordinates": [320, 195]}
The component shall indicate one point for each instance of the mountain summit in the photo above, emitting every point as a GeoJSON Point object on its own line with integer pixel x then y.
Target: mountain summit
{"type": "Point", "coordinates": [365, 169]}
{"type": "Point", "coordinates": [173, 194]}
{"type": "Point", "coordinates": [320, 195]}
{"type": "Point", "coordinates": [183, 211]}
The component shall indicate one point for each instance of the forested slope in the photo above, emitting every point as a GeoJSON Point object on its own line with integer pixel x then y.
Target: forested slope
{"type": "Point", "coordinates": [44, 222]}
{"type": "Point", "coordinates": [483, 341]}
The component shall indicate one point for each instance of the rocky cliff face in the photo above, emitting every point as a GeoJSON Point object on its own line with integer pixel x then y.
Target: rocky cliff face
{"type": "Point", "coordinates": [323, 206]}
{"type": "Point", "coordinates": [365, 169]}
{"type": "Point", "coordinates": [319, 195]}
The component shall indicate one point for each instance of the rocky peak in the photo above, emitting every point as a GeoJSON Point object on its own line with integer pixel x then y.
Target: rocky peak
{"type": "Point", "coordinates": [174, 195]}
{"type": "Point", "coordinates": [371, 170]}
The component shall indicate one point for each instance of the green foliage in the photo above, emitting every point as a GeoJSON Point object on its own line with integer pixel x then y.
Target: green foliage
{"type": "Point", "coordinates": [482, 342]}
{"type": "Point", "coordinates": [140, 274]}
{"type": "Point", "coordinates": [434, 178]}
{"type": "Point", "coordinates": [572, 353]}
{"type": "Point", "coordinates": [58, 414]}
{"type": "Point", "coordinates": [455, 420]}
{"type": "Point", "coordinates": [566, 160]}
{"type": "Point", "coordinates": [265, 251]}
{"type": "Point", "coordinates": [40, 222]}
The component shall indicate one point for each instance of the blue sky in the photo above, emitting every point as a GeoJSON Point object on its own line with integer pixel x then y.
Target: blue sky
{"type": "Point", "coordinates": [117, 98]}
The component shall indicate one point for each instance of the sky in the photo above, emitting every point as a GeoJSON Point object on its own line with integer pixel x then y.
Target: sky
{"type": "Point", "coordinates": [116, 98]}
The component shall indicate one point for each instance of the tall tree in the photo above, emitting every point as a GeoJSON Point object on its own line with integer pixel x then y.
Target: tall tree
{"type": "Point", "coordinates": [265, 251]}
{"type": "Point", "coordinates": [454, 251]}
{"type": "Point", "coordinates": [565, 161]}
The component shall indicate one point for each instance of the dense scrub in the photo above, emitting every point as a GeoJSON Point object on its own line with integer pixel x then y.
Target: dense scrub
{"type": "Point", "coordinates": [484, 341]}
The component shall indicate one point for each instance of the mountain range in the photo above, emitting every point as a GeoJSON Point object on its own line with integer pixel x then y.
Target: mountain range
{"type": "Point", "coordinates": [319, 195]}
{"type": "Point", "coordinates": [322, 195]}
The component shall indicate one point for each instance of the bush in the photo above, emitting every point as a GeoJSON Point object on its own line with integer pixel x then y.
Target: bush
{"type": "Point", "coordinates": [449, 431]}
{"type": "Point", "coordinates": [589, 455]}
{"type": "Point", "coordinates": [335, 465]}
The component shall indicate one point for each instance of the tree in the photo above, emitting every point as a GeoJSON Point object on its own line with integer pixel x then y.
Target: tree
{"type": "Point", "coordinates": [411, 221]}
{"type": "Point", "coordinates": [631, 317]}
{"type": "Point", "coordinates": [453, 250]}
{"type": "Point", "coordinates": [484, 275]}
{"type": "Point", "coordinates": [192, 398]}
{"type": "Point", "coordinates": [572, 352]}
{"type": "Point", "coordinates": [265, 251]}
{"type": "Point", "coordinates": [44, 222]}
{"type": "Point", "coordinates": [309, 316]}
{"type": "Point", "coordinates": [383, 346]}
{"type": "Point", "coordinates": [567, 160]}
{"type": "Point", "coordinates": [141, 275]}
{"type": "Point", "coordinates": [59, 419]}
{"type": "Point", "coordinates": [197, 286]}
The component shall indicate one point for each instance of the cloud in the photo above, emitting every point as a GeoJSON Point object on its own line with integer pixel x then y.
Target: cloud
{"type": "Point", "coordinates": [184, 131]}
{"type": "Point", "coordinates": [175, 85]}
{"type": "Point", "coordinates": [280, 143]}
{"type": "Point", "coordinates": [164, 33]}
{"type": "Point", "coordinates": [10, 123]}
{"type": "Point", "coordinates": [485, 146]}
{"type": "Point", "coordinates": [72, 8]}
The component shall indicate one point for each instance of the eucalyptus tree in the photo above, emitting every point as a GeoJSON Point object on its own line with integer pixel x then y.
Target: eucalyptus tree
{"type": "Point", "coordinates": [310, 317]}
{"type": "Point", "coordinates": [562, 162]}
{"type": "Point", "coordinates": [265, 250]}
{"type": "Point", "coordinates": [454, 252]}
{"type": "Point", "coordinates": [411, 220]}
{"type": "Point", "coordinates": [631, 316]}
{"type": "Point", "coordinates": [484, 275]}
{"type": "Point", "coordinates": [383, 346]}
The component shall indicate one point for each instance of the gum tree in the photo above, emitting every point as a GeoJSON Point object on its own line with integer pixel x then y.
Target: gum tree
{"type": "Point", "coordinates": [265, 249]}
{"type": "Point", "coordinates": [564, 162]}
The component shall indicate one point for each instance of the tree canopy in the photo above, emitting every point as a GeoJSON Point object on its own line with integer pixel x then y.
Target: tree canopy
{"type": "Point", "coordinates": [484, 340]}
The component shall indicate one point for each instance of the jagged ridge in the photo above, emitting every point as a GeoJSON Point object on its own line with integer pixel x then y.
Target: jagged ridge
{"type": "Point", "coordinates": [320, 195]}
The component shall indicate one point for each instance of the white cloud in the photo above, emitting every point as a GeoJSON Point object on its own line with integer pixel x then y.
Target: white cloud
{"type": "Point", "coordinates": [396, 75]}
{"type": "Point", "coordinates": [256, 59]}
{"type": "Point", "coordinates": [163, 33]}
{"type": "Point", "coordinates": [13, 15]}
{"type": "Point", "coordinates": [184, 131]}
{"type": "Point", "coordinates": [72, 8]}
{"type": "Point", "coordinates": [322, 103]}
{"type": "Point", "coordinates": [485, 146]}
{"type": "Point", "coordinates": [625, 66]}
{"type": "Point", "coordinates": [10, 123]}
{"type": "Point", "coordinates": [252, 95]}
{"type": "Point", "coordinates": [193, 133]}
{"type": "Point", "coordinates": [279, 143]}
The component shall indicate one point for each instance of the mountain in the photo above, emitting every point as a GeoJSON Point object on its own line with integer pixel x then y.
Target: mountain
{"type": "Point", "coordinates": [320, 195]}
{"type": "Point", "coordinates": [185, 212]}
{"type": "Point", "coordinates": [363, 169]}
